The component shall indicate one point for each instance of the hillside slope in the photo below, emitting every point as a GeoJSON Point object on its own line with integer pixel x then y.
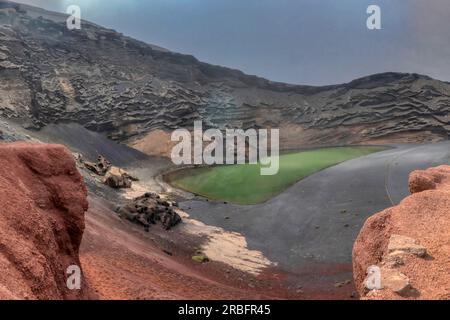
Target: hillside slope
{"type": "Point", "coordinates": [128, 89]}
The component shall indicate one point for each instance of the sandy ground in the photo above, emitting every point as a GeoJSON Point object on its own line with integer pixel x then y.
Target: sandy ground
{"type": "Point", "coordinates": [121, 261]}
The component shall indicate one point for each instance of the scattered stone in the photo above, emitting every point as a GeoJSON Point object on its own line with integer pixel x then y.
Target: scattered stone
{"type": "Point", "coordinates": [401, 244]}
{"type": "Point", "coordinates": [114, 177]}
{"type": "Point", "coordinates": [100, 168]}
{"type": "Point", "coordinates": [343, 283]}
{"type": "Point", "coordinates": [117, 178]}
{"type": "Point", "coordinates": [200, 258]}
{"type": "Point", "coordinates": [394, 259]}
{"type": "Point", "coordinates": [390, 279]}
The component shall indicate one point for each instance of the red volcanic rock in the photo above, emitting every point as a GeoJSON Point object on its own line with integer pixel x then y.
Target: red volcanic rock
{"type": "Point", "coordinates": [424, 180]}
{"type": "Point", "coordinates": [42, 205]}
{"type": "Point", "coordinates": [409, 243]}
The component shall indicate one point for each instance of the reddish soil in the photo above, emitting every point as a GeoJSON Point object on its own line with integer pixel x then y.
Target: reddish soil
{"type": "Point", "coordinates": [43, 200]}
{"type": "Point", "coordinates": [121, 261]}
{"type": "Point", "coordinates": [425, 217]}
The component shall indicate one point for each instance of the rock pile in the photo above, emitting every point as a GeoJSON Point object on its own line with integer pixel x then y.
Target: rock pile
{"type": "Point", "coordinates": [150, 209]}
{"type": "Point", "coordinates": [114, 177]}
{"type": "Point", "coordinates": [398, 249]}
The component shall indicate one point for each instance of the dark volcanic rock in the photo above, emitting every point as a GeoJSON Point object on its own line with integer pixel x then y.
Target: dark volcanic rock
{"type": "Point", "coordinates": [125, 88]}
{"type": "Point", "coordinates": [150, 208]}
{"type": "Point", "coordinates": [118, 181]}
{"type": "Point", "coordinates": [100, 168]}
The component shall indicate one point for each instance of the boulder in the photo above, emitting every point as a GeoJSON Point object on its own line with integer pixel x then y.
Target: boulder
{"type": "Point", "coordinates": [395, 281]}
{"type": "Point", "coordinates": [117, 179]}
{"type": "Point", "coordinates": [150, 209]}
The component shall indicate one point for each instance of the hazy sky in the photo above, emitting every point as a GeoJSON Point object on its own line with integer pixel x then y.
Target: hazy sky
{"type": "Point", "coordinates": [297, 41]}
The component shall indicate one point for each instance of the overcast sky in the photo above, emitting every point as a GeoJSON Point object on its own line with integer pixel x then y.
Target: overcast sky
{"type": "Point", "coordinates": [296, 41]}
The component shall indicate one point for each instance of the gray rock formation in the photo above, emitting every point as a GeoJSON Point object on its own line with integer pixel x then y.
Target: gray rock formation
{"type": "Point", "coordinates": [124, 88]}
{"type": "Point", "coordinates": [150, 208]}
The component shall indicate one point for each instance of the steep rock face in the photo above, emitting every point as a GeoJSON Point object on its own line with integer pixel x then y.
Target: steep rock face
{"type": "Point", "coordinates": [127, 89]}
{"type": "Point", "coordinates": [410, 243]}
{"type": "Point", "coordinates": [42, 205]}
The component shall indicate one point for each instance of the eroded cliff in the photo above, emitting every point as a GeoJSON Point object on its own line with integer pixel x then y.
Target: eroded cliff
{"type": "Point", "coordinates": [42, 204]}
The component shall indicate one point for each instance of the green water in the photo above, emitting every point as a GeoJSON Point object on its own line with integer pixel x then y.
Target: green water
{"type": "Point", "coordinates": [243, 184]}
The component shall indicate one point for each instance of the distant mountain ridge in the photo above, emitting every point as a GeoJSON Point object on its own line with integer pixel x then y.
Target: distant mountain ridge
{"type": "Point", "coordinates": [127, 89]}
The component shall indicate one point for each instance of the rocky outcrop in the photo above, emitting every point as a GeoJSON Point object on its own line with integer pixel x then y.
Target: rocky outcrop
{"type": "Point", "coordinates": [404, 251]}
{"type": "Point", "coordinates": [42, 205]}
{"type": "Point", "coordinates": [100, 167]}
{"type": "Point", "coordinates": [137, 93]}
{"type": "Point", "coordinates": [116, 178]}
{"type": "Point", "coordinates": [150, 208]}
{"type": "Point", "coordinates": [110, 175]}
